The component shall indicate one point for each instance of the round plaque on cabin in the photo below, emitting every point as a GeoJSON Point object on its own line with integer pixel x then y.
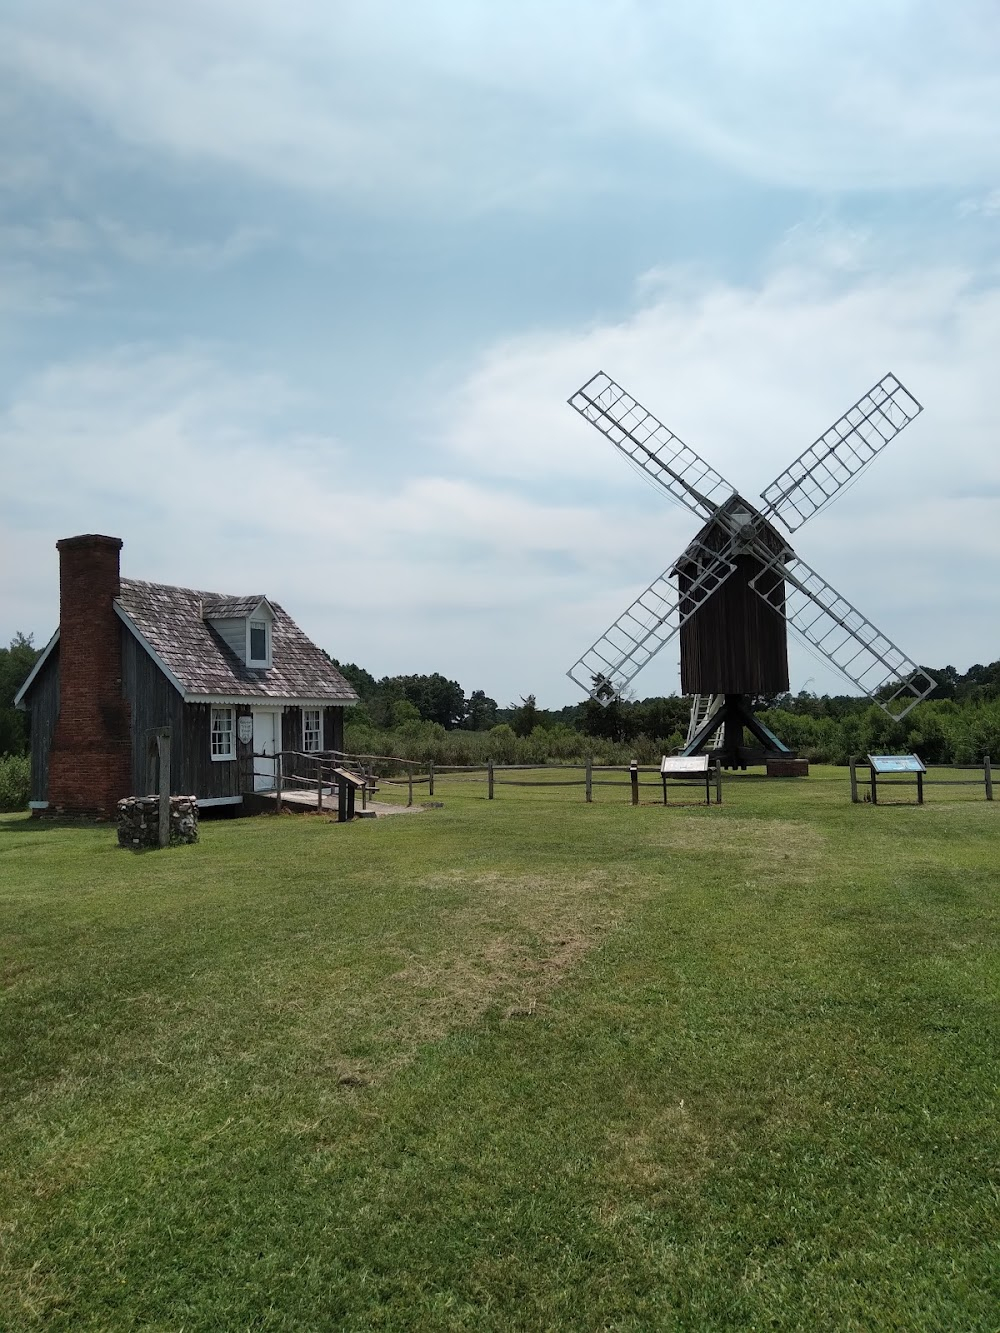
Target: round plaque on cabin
{"type": "Point", "coordinates": [244, 729]}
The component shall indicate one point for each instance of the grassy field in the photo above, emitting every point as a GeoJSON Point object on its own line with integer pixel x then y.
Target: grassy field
{"type": "Point", "coordinates": [527, 1064]}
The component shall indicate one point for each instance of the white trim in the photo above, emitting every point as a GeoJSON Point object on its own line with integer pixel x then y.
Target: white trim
{"type": "Point", "coordinates": [311, 709]}
{"type": "Point", "coordinates": [267, 701]}
{"type": "Point", "coordinates": [222, 758]}
{"type": "Point", "coordinates": [265, 618]}
{"type": "Point", "coordinates": [38, 805]}
{"type": "Point", "coordinates": [130, 624]}
{"type": "Point", "coordinates": [219, 800]}
{"type": "Point", "coordinates": [19, 696]}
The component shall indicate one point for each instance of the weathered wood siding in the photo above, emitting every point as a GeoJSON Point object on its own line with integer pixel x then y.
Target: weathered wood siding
{"type": "Point", "coordinates": [43, 703]}
{"type": "Point", "coordinates": [735, 643]}
{"type": "Point", "coordinates": [156, 703]}
{"type": "Point", "coordinates": [234, 632]}
{"type": "Point", "coordinates": [333, 728]}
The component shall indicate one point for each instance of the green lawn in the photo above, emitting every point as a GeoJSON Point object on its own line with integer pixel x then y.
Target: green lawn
{"type": "Point", "coordinates": [527, 1064]}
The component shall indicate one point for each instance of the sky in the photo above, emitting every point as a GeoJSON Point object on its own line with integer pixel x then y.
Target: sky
{"type": "Point", "coordinates": [292, 298]}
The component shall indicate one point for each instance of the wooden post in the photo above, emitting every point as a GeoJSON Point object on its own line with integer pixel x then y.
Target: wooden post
{"type": "Point", "coordinates": [430, 778]}
{"type": "Point", "coordinates": [663, 778]}
{"type": "Point", "coordinates": [366, 773]}
{"type": "Point", "coordinates": [163, 754]}
{"type": "Point", "coordinates": [920, 788]}
{"type": "Point", "coordinates": [342, 789]}
{"type": "Point", "coordinates": [634, 775]}
{"type": "Point", "coordinates": [409, 784]}
{"type": "Point", "coordinates": [988, 773]}
{"type": "Point", "coordinates": [590, 779]}
{"type": "Point", "coordinates": [718, 782]}
{"type": "Point", "coordinates": [319, 784]}
{"type": "Point", "coordinates": [854, 779]}
{"type": "Point", "coordinates": [874, 780]}
{"type": "Point", "coordinates": [277, 783]}
{"type": "Point", "coordinates": [489, 779]}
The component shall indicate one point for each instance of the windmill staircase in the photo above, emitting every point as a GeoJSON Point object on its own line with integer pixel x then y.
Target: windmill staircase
{"type": "Point", "coordinates": [702, 706]}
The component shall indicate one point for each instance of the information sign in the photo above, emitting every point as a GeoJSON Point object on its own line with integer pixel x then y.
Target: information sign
{"type": "Point", "coordinates": [897, 763]}
{"type": "Point", "coordinates": [676, 766]}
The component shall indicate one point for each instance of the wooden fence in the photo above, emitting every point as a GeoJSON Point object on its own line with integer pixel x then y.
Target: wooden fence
{"type": "Point", "coordinates": [861, 776]}
{"type": "Point", "coordinates": [378, 770]}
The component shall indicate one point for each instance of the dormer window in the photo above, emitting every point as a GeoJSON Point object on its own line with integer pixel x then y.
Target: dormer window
{"type": "Point", "coordinates": [259, 654]}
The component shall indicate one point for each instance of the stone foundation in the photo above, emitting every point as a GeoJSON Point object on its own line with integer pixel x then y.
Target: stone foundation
{"type": "Point", "coordinates": [139, 821]}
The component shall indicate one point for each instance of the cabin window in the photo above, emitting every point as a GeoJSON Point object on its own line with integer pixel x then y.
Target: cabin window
{"type": "Point", "coordinates": [312, 730]}
{"type": "Point", "coordinates": [259, 655]}
{"type": "Point", "coordinates": [222, 733]}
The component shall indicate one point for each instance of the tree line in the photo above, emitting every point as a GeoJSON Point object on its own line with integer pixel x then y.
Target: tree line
{"type": "Point", "coordinates": [431, 716]}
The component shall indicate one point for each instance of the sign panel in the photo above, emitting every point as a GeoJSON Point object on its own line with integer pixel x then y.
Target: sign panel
{"type": "Point", "coordinates": [244, 729]}
{"type": "Point", "coordinates": [896, 763]}
{"type": "Point", "coordinates": [674, 766]}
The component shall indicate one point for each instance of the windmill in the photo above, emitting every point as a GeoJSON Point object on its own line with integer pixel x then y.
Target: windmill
{"type": "Point", "coordinates": [739, 584]}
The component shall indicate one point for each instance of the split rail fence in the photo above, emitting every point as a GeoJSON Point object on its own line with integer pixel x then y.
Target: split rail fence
{"type": "Point", "coordinates": [862, 776]}
{"type": "Point", "coordinates": [319, 773]}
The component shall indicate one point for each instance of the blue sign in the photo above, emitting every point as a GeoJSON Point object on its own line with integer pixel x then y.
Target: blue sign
{"type": "Point", "coordinates": [896, 763]}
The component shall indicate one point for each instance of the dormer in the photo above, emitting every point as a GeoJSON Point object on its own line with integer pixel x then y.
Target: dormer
{"type": "Point", "coordinates": [246, 624]}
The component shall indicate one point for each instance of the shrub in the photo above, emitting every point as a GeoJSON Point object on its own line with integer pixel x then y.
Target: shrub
{"type": "Point", "coordinates": [15, 781]}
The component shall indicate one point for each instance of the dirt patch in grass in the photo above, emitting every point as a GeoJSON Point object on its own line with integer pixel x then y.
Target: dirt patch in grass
{"type": "Point", "coordinates": [766, 847]}
{"type": "Point", "coordinates": [511, 942]}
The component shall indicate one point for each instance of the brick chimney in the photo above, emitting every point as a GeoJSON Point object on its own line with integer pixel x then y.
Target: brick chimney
{"type": "Point", "coordinates": [90, 762]}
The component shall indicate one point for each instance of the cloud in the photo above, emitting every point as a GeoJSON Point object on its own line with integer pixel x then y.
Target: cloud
{"type": "Point", "coordinates": [509, 540]}
{"type": "Point", "coordinates": [749, 376]}
{"type": "Point", "coordinates": [475, 105]}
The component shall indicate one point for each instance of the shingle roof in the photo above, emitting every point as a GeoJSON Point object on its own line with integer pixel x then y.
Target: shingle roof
{"type": "Point", "coordinates": [224, 607]}
{"type": "Point", "coordinates": [171, 621]}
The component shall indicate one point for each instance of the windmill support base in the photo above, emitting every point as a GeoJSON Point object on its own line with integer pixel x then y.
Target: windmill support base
{"type": "Point", "coordinates": [735, 716]}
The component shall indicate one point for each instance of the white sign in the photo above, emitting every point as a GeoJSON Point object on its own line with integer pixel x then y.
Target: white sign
{"type": "Point", "coordinates": [244, 729]}
{"type": "Point", "coordinates": [675, 765]}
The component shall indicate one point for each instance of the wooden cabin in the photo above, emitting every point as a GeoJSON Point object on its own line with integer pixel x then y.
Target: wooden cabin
{"type": "Point", "coordinates": [234, 678]}
{"type": "Point", "coordinates": [735, 643]}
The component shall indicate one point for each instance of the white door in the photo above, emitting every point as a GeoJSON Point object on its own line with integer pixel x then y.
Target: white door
{"type": "Point", "coordinates": [266, 744]}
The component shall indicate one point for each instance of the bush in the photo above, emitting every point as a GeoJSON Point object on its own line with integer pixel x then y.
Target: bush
{"type": "Point", "coordinates": [15, 781]}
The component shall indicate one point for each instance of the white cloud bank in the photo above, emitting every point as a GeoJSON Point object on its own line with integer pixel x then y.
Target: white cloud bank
{"type": "Point", "coordinates": [525, 534]}
{"type": "Point", "coordinates": [464, 100]}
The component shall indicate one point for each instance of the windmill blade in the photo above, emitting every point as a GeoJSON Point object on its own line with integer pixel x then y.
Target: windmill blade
{"type": "Point", "coordinates": [649, 445]}
{"type": "Point", "coordinates": [841, 453]}
{"type": "Point", "coordinates": [828, 621]}
{"type": "Point", "coordinates": [649, 623]}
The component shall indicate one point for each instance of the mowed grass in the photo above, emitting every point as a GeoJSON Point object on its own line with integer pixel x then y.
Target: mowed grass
{"type": "Point", "coordinates": [527, 1064]}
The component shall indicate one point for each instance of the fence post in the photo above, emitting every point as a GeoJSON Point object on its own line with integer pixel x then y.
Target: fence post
{"type": "Point", "coordinates": [854, 780]}
{"type": "Point", "coordinates": [489, 779]}
{"type": "Point", "coordinates": [430, 778]}
{"type": "Point", "coordinates": [319, 785]}
{"type": "Point", "coordinates": [634, 774]}
{"type": "Point", "coordinates": [590, 778]}
{"type": "Point", "coordinates": [989, 777]}
{"type": "Point", "coordinates": [163, 755]}
{"type": "Point", "coordinates": [718, 782]}
{"type": "Point", "coordinates": [277, 784]}
{"type": "Point", "coordinates": [409, 784]}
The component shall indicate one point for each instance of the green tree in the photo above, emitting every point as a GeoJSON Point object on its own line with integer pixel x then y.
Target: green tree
{"type": "Point", "coordinates": [16, 663]}
{"type": "Point", "coordinates": [526, 718]}
{"type": "Point", "coordinates": [480, 712]}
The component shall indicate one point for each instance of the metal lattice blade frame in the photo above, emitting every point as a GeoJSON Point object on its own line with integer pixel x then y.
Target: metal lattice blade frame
{"type": "Point", "coordinates": [841, 452]}
{"type": "Point", "coordinates": [639, 633]}
{"type": "Point", "coordinates": [649, 445]}
{"type": "Point", "coordinates": [828, 621]}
